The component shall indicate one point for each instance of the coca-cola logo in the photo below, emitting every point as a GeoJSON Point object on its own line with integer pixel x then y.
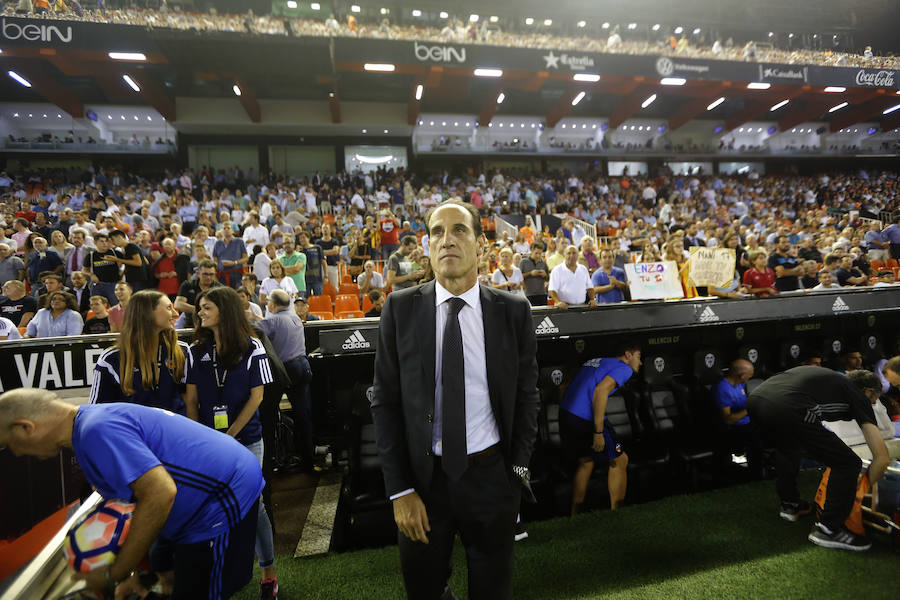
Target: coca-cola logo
{"type": "Point", "coordinates": [875, 78]}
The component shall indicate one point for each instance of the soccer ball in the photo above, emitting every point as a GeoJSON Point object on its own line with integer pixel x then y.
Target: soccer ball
{"type": "Point", "coordinates": [94, 541]}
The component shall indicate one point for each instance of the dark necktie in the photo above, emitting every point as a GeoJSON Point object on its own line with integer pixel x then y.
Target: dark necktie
{"type": "Point", "coordinates": [453, 433]}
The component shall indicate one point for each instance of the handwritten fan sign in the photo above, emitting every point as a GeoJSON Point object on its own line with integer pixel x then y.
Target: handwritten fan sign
{"type": "Point", "coordinates": [653, 281]}
{"type": "Point", "coordinates": [711, 266]}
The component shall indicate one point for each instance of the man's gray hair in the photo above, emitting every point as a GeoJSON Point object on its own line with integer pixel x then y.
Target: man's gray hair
{"type": "Point", "coordinates": [280, 298]}
{"type": "Point", "coordinates": [24, 403]}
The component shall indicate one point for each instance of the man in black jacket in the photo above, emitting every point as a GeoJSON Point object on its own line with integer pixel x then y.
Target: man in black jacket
{"type": "Point", "coordinates": [455, 430]}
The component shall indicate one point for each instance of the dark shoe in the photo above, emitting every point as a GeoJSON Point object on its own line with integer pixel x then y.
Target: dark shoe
{"type": "Point", "coordinates": [841, 539]}
{"type": "Point", "coordinates": [791, 511]}
{"type": "Point", "coordinates": [520, 534]}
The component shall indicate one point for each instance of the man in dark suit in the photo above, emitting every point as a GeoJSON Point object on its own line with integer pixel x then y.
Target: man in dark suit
{"type": "Point", "coordinates": [455, 430]}
{"type": "Point", "coordinates": [82, 292]}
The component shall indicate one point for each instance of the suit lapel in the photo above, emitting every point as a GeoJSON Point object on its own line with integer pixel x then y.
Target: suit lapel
{"type": "Point", "coordinates": [424, 316]}
{"type": "Point", "coordinates": [492, 309]}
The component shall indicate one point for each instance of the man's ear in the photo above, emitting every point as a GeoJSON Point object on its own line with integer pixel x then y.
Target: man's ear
{"type": "Point", "coordinates": [22, 427]}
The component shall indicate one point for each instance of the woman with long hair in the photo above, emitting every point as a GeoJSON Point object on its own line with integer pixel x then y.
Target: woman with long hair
{"type": "Point", "coordinates": [277, 279]}
{"type": "Point", "coordinates": [227, 372]}
{"type": "Point", "coordinates": [59, 245]}
{"type": "Point", "coordinates": [147, 363]}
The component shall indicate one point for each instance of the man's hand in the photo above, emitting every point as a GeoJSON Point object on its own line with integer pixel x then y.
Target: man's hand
{"type": "Point", "coordinates": [129, 587]}
{"type": "Point", "coordinates": [561, 305]}
{"type": "Point", "coordinates": [411, 517]}
{"type": "Point", "coordinates": [599, 442]}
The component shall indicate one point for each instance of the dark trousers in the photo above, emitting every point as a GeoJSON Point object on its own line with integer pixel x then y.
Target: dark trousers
{"type": "Point", "coordinates": [481, 507]}
{"type": "Point", "coordinates": [894, 250]}
{"type": "Point", "coordinates": [746, 437]}
{"type": "Point", "coordinates": [214, 569]}
{"type": "Point", "coordinates": [106, 289]}
{"type": "Point", "coordinates": [301, 375]}
{"type": "Point", "coordinates": [791, 435]}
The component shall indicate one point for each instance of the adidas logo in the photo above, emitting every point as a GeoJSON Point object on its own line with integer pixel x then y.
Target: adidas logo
{"type": "Point", "coordinates": [839, 305]}
{"type": "Point", "coordinates": [708, 315]}
{"type": "Point", "coordinates": [356, 341]}
{"type": "Point", "coordinates": [546, 327]}
{"type": "Point", "coordinates": [205, 358]}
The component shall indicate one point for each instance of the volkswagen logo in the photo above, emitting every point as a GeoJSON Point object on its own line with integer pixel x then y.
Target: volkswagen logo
{"type": "Point", "coordinates": [665, 66]}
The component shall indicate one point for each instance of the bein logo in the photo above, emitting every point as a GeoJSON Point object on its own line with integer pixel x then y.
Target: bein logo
{"type": "Point", "coordinates": [34, 33]}
{"type": "Point", "coordinates": [439, 53]}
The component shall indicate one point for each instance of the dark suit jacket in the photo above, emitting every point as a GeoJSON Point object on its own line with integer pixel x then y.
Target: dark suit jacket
{"type": "Point", "coordinates": [403, 401]}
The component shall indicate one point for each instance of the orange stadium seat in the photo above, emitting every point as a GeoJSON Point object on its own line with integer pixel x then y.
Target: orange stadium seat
{"type": "Point", "coordinates": [366, 303]}
{"type": "Point", "coordinates": [322, 314]}
{"type": "Point", "coordinates": [319, 303]}
{"type": "Point", "coordinates": [877, 264]}
{"type": "Point", "coordinates": [328, 290]}
{"type": "Point", "coordinates": [891, 263]}
{"type": "Point", "coordinates": [349, 288]}
{"type": "Point", "coordinates": [346, 278]}
{"type": "Point", "coordinates": [345, 302]}
{"type": "Point", "coordinates": [350, 314]}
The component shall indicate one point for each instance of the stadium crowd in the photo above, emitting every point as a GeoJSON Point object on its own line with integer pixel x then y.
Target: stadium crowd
{"type": "Point", "coordinates": [612, 40]}
{"type": "Point", "coordinates": [75, 246]}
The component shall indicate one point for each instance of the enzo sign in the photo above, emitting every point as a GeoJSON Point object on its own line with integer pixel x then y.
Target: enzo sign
{"type": "Point", "coordinates": [447, 54]}
{"type": "Point", "coordinates": [30, 32]}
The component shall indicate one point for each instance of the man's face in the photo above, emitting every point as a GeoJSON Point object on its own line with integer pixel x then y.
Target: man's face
{"type": "Point", "coordinates": [379, 303]}
{"type": "Point", "coordinates": [571, 256]}
{"type": "Point", "coordinates": [78, 279]}
{"type": "Point", "coordinates": [847, 263]}
{"type": "Point", "coordinates": [98, 307]}
{"type": "Point", "coordinates": [77, 239]}
{"type": "Point", "coordinates": [40, 244]}
{"type": "Point", "coordinates": [168, 245]}
{"type": "Point", "coordinates": [288, 246]}
{"type": "Point", "coordinates": [588, 244]}
{"type": "Point", "coordinates": [537, 254]}
{"type": "Point", "coordinates": [892, 377]}
{"type": "Point", "coordinates": [633, 360]}
{"type": "Point", "coordinates": [784, 245]}
{"type": "Point", "coordinates": [301, 308]}
{"type": "Point", "coordinates": [52, 284]}
{"type": "Point", "coordinates": [5, 251]}
{"type": "Point", "coordinates": [454, 252]}
{"type": "Point", "coordinates": [206, 276]}
{"type": "Point", "coordinates": [606, 259]}
{"type": "Point", "coordinates": [853, 361]}
{"type": "Point", "coordinates": [826, 278]}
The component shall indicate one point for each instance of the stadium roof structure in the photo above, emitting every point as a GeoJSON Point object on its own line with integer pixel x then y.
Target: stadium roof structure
{"type": "Point", "coordinates": [72, 64]}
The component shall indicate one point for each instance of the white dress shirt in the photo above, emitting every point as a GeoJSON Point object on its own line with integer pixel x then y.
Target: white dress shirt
{"type": "Point", "coordinates": [481, 427]}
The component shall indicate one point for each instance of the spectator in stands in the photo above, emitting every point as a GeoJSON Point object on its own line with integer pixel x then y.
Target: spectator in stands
{"type": "Point", "coordinates": [399, 270]}
{"type": "Point", "coordinates": [587, 435]}
{"type": "Point", "coordinates": [50, 282]}
{"type": "Point", "coordinates": [77, 257]}
{"type": "Point", "coordinates": [60, 319]}
{"type": "Point", "coordinates": [331, 249]}
{"type": "Point", "coordinates": [277, 279]}
{"type": "Point", "coordinates": [555, 254]}
{"type": "Point", "coordinates": [42, 260]}
{"type": "Point", "coordinates": [609, 281]}
{"type": "Point", "coordinates": [877, 243]}
{"type": "Point", "coordinates": [251, 309]}
{"type": "Point", "coordinates": [231, 256]}
{"type": "Point", "coordinates": [760, 278]}
{"type": "Point", "coordinates": [99, 323]}
{"type": "Point", "coordinates": [885, 278]}
{"type": "Point", "coordinates": [377, 298]}
{"type": "Point", "coordinates": [137, 272]}
{"type": "Point", "coordinates": [285, 330]}
{"type": "Point", "coordinates": [570, 283]}
{"type": "Point", "coordinates": [790, 408]}
{"type": "Point", "coordinates": [117, 312]}
{"type": "Point", "coordinates": [104, 273]}
{"type": "Point", "coordinates": [225, 392]}
{"type": "Point", "coordinates": [190, 289]}
{"type": "Point", "coordinates": [507, 276]}
{"type": "Point", "coordinates": [16, 305]}
{"type": "Point", "coordinates": [59, 245]}
{"type": "Point", "coordinates": [171, 269]}
{"type": "Point", "coordinates": [255, 234]}
{"type": "Point", "coordinates": [826, 281]}
{"type": "Point", "coordinates": [315, 263]}
{"type": "Point", "coordinates": [730, 395]}
{"type": "Point", "coordinates": [20, 226]}
{"type": "Point", "coordinates": [587, 256]}
{"type": "Point", "coordinates": [11, 266]}
{"type": "Point", "coordinates": [81, 291]}
{"type": "Point", "coordinates": [369, 279]}
{"type": "Point", "coordinates": [808, 250]}
{"type": "Point", "coordinates": [810, 274]}
{"type": "Point", "coordinates": [535, 273]}
{"type": "Point", "coordinates": [8, 330]}
{"type": "Point", "coordinates": [262, 258]}
{"type": "Point", "coordinates": [250, 284]}
{"type": "Point", "coordinates": [786, 266]}
{"type": "Point", "coordinates": [294, 263]}
{"type": "Point", "coordinates": [301, 307]}
{"type": "Point", "coordinates": [848, 275]}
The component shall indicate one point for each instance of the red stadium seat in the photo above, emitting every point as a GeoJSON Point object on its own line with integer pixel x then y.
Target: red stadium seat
{"type": "Point", "coordinates": [366, 303]}
{"type": "Point", "coordinates": [345, 302]}
{"type": "Point", "coordinates": [891, 263]}
{"type": "Point", "coordinates": [349, 289]}
{"type": "Point", "coordinates": [319, 303]}
{"type": "Point", "coordinates": [877, 264]}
